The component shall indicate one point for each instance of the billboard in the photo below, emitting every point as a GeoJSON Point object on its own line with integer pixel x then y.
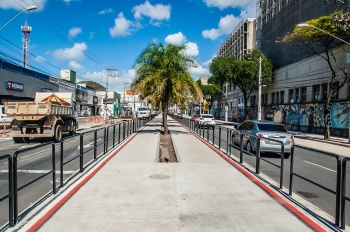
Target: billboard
{"type": "Point", "coordinates": [132, 92]}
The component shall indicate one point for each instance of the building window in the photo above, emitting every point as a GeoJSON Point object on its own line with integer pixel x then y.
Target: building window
{"type": "Point", "coordinates": [291, 96]}
{"type": "Point", "coordinates": [277, 97]}
{"type": "Point", "coordinates": [273, 98]}
{"type": "Point", "coordinates": [316, 92]}
{"type": "Point", "coordinates": [303, 94]}
{"type": "Point", "coordinates": [335, 91]}
{"type": "Point", "coordinates": [324, 91]}
{"type": "Point", "coordinates": [297, 95]}
{"type": "Point", "coordinates": [282, 97]}
{"type": "Point", "coordinates": [264, 98]}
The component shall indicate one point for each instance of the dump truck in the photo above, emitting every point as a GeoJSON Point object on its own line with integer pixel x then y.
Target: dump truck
{"type": "Point", "coordinates": [127, 114]}
{"type": "Point", "coordinates": [47, 117]}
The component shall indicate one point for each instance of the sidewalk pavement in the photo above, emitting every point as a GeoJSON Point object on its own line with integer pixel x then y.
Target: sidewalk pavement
{"type": "Point", "coordinates": [130, 191]}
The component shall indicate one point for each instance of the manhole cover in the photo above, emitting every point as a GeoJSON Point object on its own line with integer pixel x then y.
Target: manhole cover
{"type": "Point", "coordinates": [159, 176]}
{"type": "Point", "coordinates": [308, 195]}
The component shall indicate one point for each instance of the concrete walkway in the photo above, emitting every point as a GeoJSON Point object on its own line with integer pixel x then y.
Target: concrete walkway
{"type": "Point", "coordinates": [130, 191]}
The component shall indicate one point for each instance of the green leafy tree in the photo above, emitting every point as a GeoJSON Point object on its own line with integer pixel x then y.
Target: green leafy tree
{"type": "Point", "coordinates": [242, 73]}
{"type": "Point", "coordinates": [162, 77]}
{"type": "Point", "coordinates": [320, 42]}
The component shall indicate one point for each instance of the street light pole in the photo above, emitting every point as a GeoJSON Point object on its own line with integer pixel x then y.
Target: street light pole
{"type": "Point", "coordinates": [29, 8]}
{"type": "Point", "coordinates": [259, 92]}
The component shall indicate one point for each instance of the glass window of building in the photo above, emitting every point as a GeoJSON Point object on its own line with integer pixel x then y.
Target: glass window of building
{"type": "Point", "coordinates": [316, 92]}
{"type": "Point", "coordinates": [291, 96]}
{"type": "Point", "coordinates": [282, 97]}
{"type": "Point", "coordinates": [297, 95]}
{"type": "Point", "coordinates": [335, 91]}
{"type": "Point", "coordinates": [273, 97]}
{"type": "Point", "coordinates": [277, 97]}
{"type": "Point", "coordinates": [324, 91]}
{"type": "Point", "coordinates": [303, 91]}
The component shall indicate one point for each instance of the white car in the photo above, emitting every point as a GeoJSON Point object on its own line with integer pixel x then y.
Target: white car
{"type": "Point", "coordinates": [206, 120]}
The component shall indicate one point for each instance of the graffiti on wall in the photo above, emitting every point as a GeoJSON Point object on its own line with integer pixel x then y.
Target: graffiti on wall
{"type": "Point", "coordinates": [310, 114]}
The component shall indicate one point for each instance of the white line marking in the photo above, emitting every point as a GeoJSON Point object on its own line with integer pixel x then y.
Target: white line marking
{"type": "Point", "coordinates": [38, 171]}
{"type": "Point", "coordinates": [320, 166]}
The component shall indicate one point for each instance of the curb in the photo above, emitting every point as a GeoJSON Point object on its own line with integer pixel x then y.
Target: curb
{"type": "Point", "coordinates": [344, 144]}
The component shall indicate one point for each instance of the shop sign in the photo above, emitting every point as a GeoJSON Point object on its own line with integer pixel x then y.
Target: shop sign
{"type": "Point", "coordinates": [10, 85]}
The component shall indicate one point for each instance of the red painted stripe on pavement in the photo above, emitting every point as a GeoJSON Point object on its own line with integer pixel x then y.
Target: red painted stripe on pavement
{"type": "Point", "coordinates": [267, 189]}
{"type": "Point", "coordinates": [58, 205]}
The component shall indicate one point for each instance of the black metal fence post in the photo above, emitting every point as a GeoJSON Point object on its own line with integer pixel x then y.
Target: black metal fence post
{"type": "Point", "coordinates": [81, 153]}
{"type": "Point", "coordinates": [227, 143]}
{"type": "Point", "coordinates": [241, 149]}
{"type": "Point", "coordinates": [54, 168]}
{"type": "Point", "coordinates": [107, 138]}
{"type": "Point", "coordinates": [95, 145]}
{"type": "Point", "coordinates": [257, 163]}
{"type": "Point", "coordinates": [61, 164]}
{"type": "Point", "coordinates": [124, 128]}
{"type": "Point", "coordinates": [291, 171]}
{"type": "Point", "coordinates": [219, 137]}
{"type": "Point", "coordinates": [282, 165]}
{"type": "Point", "coordinates": [113, 135]}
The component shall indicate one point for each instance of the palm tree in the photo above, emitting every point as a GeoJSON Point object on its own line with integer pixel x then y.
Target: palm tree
{"type": "Point", "coordinates": [162, 77]}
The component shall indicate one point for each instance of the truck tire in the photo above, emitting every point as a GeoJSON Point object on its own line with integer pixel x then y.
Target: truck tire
{"type": "Point", "coordinates": [58, 134]}
{"type": "Point", "coordinates": [20, 140]}
{"type": "Point", "coordinates": [74, 129]}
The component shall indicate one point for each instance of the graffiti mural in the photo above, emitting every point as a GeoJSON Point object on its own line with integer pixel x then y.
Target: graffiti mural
{"type": "Point", "coordinates": [310, 114]}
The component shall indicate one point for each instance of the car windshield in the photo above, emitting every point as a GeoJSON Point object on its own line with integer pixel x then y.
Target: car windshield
{"type": "Point", "coordinates": [271, 127]}
{"type": "Point", "coordinates": [143, 109]}
{"type": "Point", "coordinates": [207, 116]}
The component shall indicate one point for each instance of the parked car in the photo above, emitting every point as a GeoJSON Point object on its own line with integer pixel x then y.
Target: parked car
{"type": "Point", "coordinates": [263, 129]}
{"type": "Point", "coordinates": [206, 120]}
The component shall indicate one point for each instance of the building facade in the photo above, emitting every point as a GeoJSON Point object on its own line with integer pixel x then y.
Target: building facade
{"type": "Point", "coordinates": [297, 95]}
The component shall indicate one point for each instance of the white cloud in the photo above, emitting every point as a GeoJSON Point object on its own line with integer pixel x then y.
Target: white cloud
{"type": "Point", "coordinates": [225, 27]}
{"type": "Point", "coordinates": [229, 22]}
{"type": "Point", "coordinates": [176, 39]}
{"type": "Point", "coordinates": [99, 77]}
{"type": "Point", "coordinates": [75, 66]}
{"type": "Point", "coordinates": [156, 12]}
{"type": "Point", "coordinates": [74, 53]}
{"type": "Point", "coordinates": [10, 4]}
{"type": "Point", "coordinates": [74, 32]}
{"type": "Point", "coordinates": [222, 4]}
{"type": "Point", "coordinates": [191, 49]}
{"type": "Point", "coordinates": [122, 27]}
{"type": "Point", "coordinates": [106, 11]}
{"type": "Point", "coordinates": [199, 71]}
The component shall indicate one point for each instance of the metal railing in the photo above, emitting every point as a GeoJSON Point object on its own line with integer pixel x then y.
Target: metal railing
{"type": "Point", "coordinates": [64, 158]}
{"type": "Point", "coordinates": [340, 169]}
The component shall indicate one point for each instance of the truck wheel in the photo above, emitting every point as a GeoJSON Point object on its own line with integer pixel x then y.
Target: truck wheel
{"type": "Point", "coordinates": [58, 134]}
{"type": "Point", "coordinates": [74, 129]}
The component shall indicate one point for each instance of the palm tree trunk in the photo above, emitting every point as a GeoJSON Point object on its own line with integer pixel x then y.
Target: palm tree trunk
{"type": "Point", "coordinates": [165, 120]}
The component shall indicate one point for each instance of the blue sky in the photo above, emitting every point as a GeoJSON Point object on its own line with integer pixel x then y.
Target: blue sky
{"type": "Point", "coordinates": [90, 36]}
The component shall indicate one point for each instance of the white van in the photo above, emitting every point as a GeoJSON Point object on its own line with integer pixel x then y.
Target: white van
{"type": "Point", "coordinates": [143, 112]}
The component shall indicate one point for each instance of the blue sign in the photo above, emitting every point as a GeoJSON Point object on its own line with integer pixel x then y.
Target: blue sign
{"type": "Point", "coordinates": [10, 85]}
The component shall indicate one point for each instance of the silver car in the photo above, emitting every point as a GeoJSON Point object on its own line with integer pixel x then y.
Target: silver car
{"type": "Point", "coordinates": [263, 129]}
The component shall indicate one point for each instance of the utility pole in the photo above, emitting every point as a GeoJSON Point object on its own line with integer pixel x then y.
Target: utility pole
{"type": "Point", "coordinates": [112, 73]}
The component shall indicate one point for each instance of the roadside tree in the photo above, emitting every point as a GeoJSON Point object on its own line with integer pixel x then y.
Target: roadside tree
{"type": "Point", "coordinates": [162, 77]}
{"type": "Point", "coordinates": [321, 41]}
{"type": "Point", "coordinates": [242, 73]}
